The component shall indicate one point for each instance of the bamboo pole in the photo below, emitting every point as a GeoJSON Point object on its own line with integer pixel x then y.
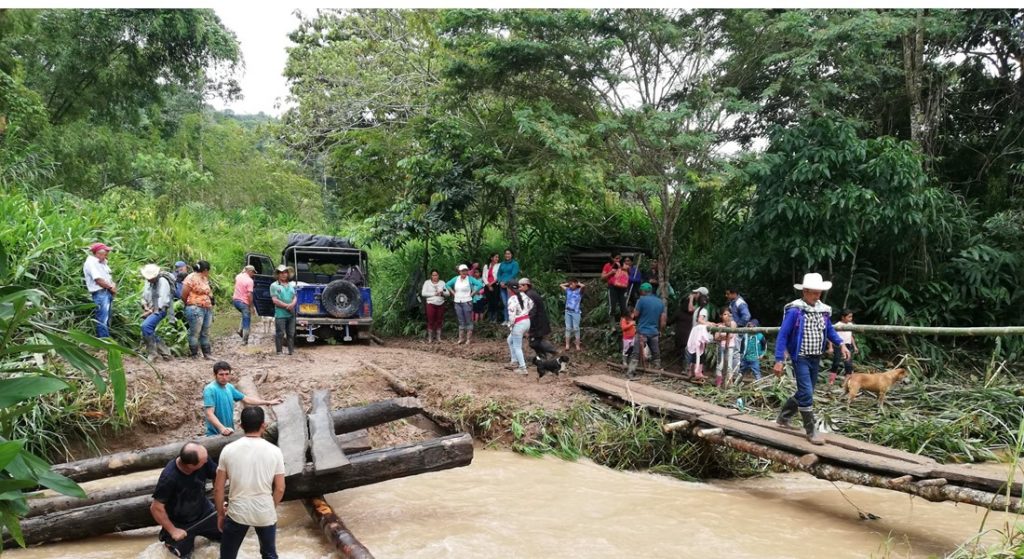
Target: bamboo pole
{"type": "Point", "coordinates": [893, 329]}
{"type": "Point", "coordinates": [335, 530]}
{"type": "Point", "coordinates": [926, 489]}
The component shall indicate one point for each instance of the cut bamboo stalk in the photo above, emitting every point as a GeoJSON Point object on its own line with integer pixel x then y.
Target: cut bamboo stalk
{"type": "Point", "coordinates": [675, 426]}
{"type": "Point", "coordinates": [706, 433]}
{"type": "Point", "coordinates": [934, 482]}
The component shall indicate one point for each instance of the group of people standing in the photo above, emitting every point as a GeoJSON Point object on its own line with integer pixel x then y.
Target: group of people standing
{"type": "Point", "coordinates": [192, 287]}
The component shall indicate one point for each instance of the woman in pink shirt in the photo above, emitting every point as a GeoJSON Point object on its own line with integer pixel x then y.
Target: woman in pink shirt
{"type": "Point", "coordinates": [242, 300]}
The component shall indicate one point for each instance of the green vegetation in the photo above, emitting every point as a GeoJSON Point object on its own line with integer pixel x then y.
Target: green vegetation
{"type": "Point", "coordinates": [624, 439]}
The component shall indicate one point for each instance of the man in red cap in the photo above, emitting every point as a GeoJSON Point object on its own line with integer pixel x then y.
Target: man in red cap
{"type": "Point", "coordinates": [101, 286]}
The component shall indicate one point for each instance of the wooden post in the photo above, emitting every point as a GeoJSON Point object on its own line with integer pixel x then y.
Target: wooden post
{"type": "Point", "coordinates": [675, 426]}
{"type": "Point", "coordinates": [327, 455]}
{"type": "Point", "coordinates": [335, 530]}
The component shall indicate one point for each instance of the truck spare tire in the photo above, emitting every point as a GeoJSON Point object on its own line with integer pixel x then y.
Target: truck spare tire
{"type": "Point", "coordinates": [341, 299]}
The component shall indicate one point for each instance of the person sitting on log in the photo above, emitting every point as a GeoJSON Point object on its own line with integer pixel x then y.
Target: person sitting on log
{"type": "Point", "coordinates": [219, 399]}
{"type": "Point", "coordinates": [180, 505]}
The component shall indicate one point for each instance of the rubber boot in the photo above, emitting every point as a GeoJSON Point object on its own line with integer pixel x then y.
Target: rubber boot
{"type": "Point", "coordinates": [193, 351]}
{"type": "Point", "coordinates": [657, 364]}
{"type": "Point", "coordinates": [631, 369]}
{"type": "Point", "coordinates": [163, 350]}
{"type": "Point", "coordinates": [151, 352]}
{"type": "Point", "coordinates": [469, 336]}
{"type": "Point", "coordinates": [291, 345]}
{"type": "Point", "coordinates": [462, 334]}
{"type": "Point", "coordinates": [207, 353]}
{"type": "Point", "coordinates": [812, 433]}
{"type": "Point", "coordinates": [789, 410]}
{"type": "Point", "coordinates": [832, 378]}
{"type": "Point", "coordinates": [245, 336]}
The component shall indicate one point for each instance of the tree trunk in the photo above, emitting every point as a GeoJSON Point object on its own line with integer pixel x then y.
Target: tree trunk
{"type": "Point", "coordinates": [335, 530]}
{"type": "Point", "coordinates": [345, 420]}
{"type": "Point", "coordinates": [366, 468]}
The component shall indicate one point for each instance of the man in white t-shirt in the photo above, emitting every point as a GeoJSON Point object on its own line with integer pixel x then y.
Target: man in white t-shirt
{"type": "Point", "coordinates": [101, 286]}
{"type": "Point", "coordinates": [256, 471]}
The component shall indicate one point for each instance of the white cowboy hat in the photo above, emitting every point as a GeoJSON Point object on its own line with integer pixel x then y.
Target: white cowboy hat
{"type": "Point", "coordinates": [150, 271]}
{"type": "Point", "coordinates": [813, 281]}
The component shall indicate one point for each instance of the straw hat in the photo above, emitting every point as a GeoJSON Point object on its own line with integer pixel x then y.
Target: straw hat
{"type": "Point", "coordinates": [813, 281]}
{"type": "Point", "coordinates": [150, 271]}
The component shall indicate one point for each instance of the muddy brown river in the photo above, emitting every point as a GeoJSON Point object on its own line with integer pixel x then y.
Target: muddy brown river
{"type": "Point", "coordinates": [509, 506]}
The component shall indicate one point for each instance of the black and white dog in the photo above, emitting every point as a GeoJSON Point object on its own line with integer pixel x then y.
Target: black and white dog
{"type": "Point", "coordinates": [545, 366]}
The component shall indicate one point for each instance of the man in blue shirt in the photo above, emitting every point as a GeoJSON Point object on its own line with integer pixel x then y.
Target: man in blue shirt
{"type": "Point", "coordinates": [650, 318]}
{"type": "Point", "coordinates": [219, 399]}
{"type": "Point", "coordinates": [738, 307]}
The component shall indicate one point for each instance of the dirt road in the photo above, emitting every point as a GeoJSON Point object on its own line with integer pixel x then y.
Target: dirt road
{"type": "Point", "coordinates": [171, 391]}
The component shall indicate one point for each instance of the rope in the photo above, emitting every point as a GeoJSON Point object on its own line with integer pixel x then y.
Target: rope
{"type": "Point", "coordinates": [860, 512]}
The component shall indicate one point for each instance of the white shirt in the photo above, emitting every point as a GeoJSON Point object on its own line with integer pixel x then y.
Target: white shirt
{"type": "Point", "coordinates": [251, 464]}
{"type": "Point", "coordinates": [699, 313]}
{"type": "Point", "coordinates": [515, 310]}
{"type": "Point", "coordinates": [94, 269]}
{"type": "Point", "coordinates": [430, 290]}
{"type": "Point", "coordinates": [463, 291]}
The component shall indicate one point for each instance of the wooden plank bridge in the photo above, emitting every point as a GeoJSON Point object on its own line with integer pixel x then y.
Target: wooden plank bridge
{"type": "Point", "coordinates": [840, 459]}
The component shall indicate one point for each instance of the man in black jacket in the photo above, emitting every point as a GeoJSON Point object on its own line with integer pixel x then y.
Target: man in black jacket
{"type": "Point", "coordinates": [540, 327]}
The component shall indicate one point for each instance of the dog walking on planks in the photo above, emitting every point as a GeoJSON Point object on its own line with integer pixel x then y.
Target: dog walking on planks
{"type": "Point", "coordinates": [878, 383]}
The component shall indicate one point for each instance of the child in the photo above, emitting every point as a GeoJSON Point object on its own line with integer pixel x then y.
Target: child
{"type": "Point", "coordinates": [727, 353]}
{"type": "Point", "coordinates": [628, 326]}
{"type": "Point", "coordinates": [479, 301]}
{"type": "Point", "coordinates": [573, 297]}
{"type": "Point", "coordinates": [845, 317]}
{"type": "Point", "coordinates": [754, 347]}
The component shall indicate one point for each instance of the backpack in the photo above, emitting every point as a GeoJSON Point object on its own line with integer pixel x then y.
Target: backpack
{"type": "Point", "coordinates": [172, 282]}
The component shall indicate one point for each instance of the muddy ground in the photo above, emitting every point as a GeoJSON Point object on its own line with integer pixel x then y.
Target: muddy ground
{"type": "Point", "coordinates": [170, 392]}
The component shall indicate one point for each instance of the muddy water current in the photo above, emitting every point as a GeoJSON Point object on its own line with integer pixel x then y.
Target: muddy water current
{"type": "Point", "coordinates": [506, 506]}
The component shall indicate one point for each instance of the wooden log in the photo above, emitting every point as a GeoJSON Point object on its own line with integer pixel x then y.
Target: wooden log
{"type": "Point", "coordinates": [900, 480]}
{"type": "Point", "coordinates": [705, 433]}
{"type": "Point", "coordinates": [356, 441]}
{"type": "Point", "coordinates": [808, 460]}
{"type": "Point", "coordinates": [38, 506]}
{"type": "Point", "coordinates": [833, 472]}
{"type": "Point", "coordinates": [293, 436]}
{"type": "Point", "coordinates": [247, 386]}
{"type": "Point", "coordinates": [335, 530]}
{"type": "Point", "coordinates": [396, 384]}
{"type": "Point", "coordinates": [670, 374]}
{"type": "Point", "coordinates": [376, 339]}
{"type": "Point", "coordinates": [327, 455]}
{"type": "Point", "coordinates": [675, 426]}
{"type": "Point", "coordinates": [366, 468]}
{"type": "Point", "coordinates": [345, 420]}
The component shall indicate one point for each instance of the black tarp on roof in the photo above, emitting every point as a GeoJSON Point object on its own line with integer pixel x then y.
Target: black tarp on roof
{"type": "Point", "coordinates": [322, 241]}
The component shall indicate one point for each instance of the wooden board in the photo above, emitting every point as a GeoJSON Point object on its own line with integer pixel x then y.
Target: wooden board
{"type": "Point", "coordinates": [327, 454]}
{"type": "Point", "coordinates": [673, 397]}
{"type": "Point", "coordinates": [792, 441]}
{"type": "Point", "coordinates": [292, 435]}
{"type": "Point", "coordinates": [961, 474]}
{"type": "Point", "coordinates": [356, 441]}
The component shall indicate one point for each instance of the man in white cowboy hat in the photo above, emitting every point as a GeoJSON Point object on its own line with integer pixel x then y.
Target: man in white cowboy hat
{"type": "Point", "coordinates": [805, 327]}
{"type": "Point", "coordinates": [157, 303]}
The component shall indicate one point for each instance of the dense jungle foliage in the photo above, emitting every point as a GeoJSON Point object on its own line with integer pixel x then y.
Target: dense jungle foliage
{"type": "Point", "coordinates": [741, 147]}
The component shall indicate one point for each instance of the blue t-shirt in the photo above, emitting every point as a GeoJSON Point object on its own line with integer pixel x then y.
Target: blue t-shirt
{"type": "Point", "coordinates": [572, 299]}
{"type": "Point", "coordinates": [649, 309]}
{"type": "Point", "coordinates": [184, 495]}
{"type": "Point", "coordinates": [222, 399]}
{"type": "Point", "coordinates": [284, 293]}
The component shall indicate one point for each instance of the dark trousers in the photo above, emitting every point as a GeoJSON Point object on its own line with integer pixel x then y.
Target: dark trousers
{"type": "Point", "coordinates": [284, 327]}
{"type": "Point", "coordinates": [234, 533]}
{"type": "Point", "coordinates": [838, 361]}
{"type": "Point", "coordinates": [543, 347]}
{"type": "Point", "coordinates": [435, 316]}
{"type": "Point", "coordinates": [494, 304]}
{"type": "Point", "coordinates": [616, 301]}
{"type": "Point", "coordinates": [206, 528]}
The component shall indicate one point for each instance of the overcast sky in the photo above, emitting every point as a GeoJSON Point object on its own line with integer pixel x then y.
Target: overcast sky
{"type": "Point", "coordinates": [262, 31]}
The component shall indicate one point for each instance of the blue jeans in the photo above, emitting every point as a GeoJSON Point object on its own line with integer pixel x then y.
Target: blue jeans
{"type": "Point", "coordinates": [198, 319]}
{"type": "Point", "coordinates": [102, 299]}
{"type": "Point", "coordinates": [515, 342]}
{"type": "Point", "coordinates": [504, 303]}
{"type": "Point", "coordinates": [572, 324]}
{"type": "Point", "coordinates": [246, 313]}
{"type": "Point", "coordinates": [754, 365]}
{"type": "Point", "coordinates": [150, 323]}
{"type": "Point", "coordinates": [805, 368]}
{"type": "Point", "coordinates": [234, 533]}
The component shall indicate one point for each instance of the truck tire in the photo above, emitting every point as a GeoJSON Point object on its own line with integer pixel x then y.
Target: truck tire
{"type": "Point", "coordinates": [341, 299]}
